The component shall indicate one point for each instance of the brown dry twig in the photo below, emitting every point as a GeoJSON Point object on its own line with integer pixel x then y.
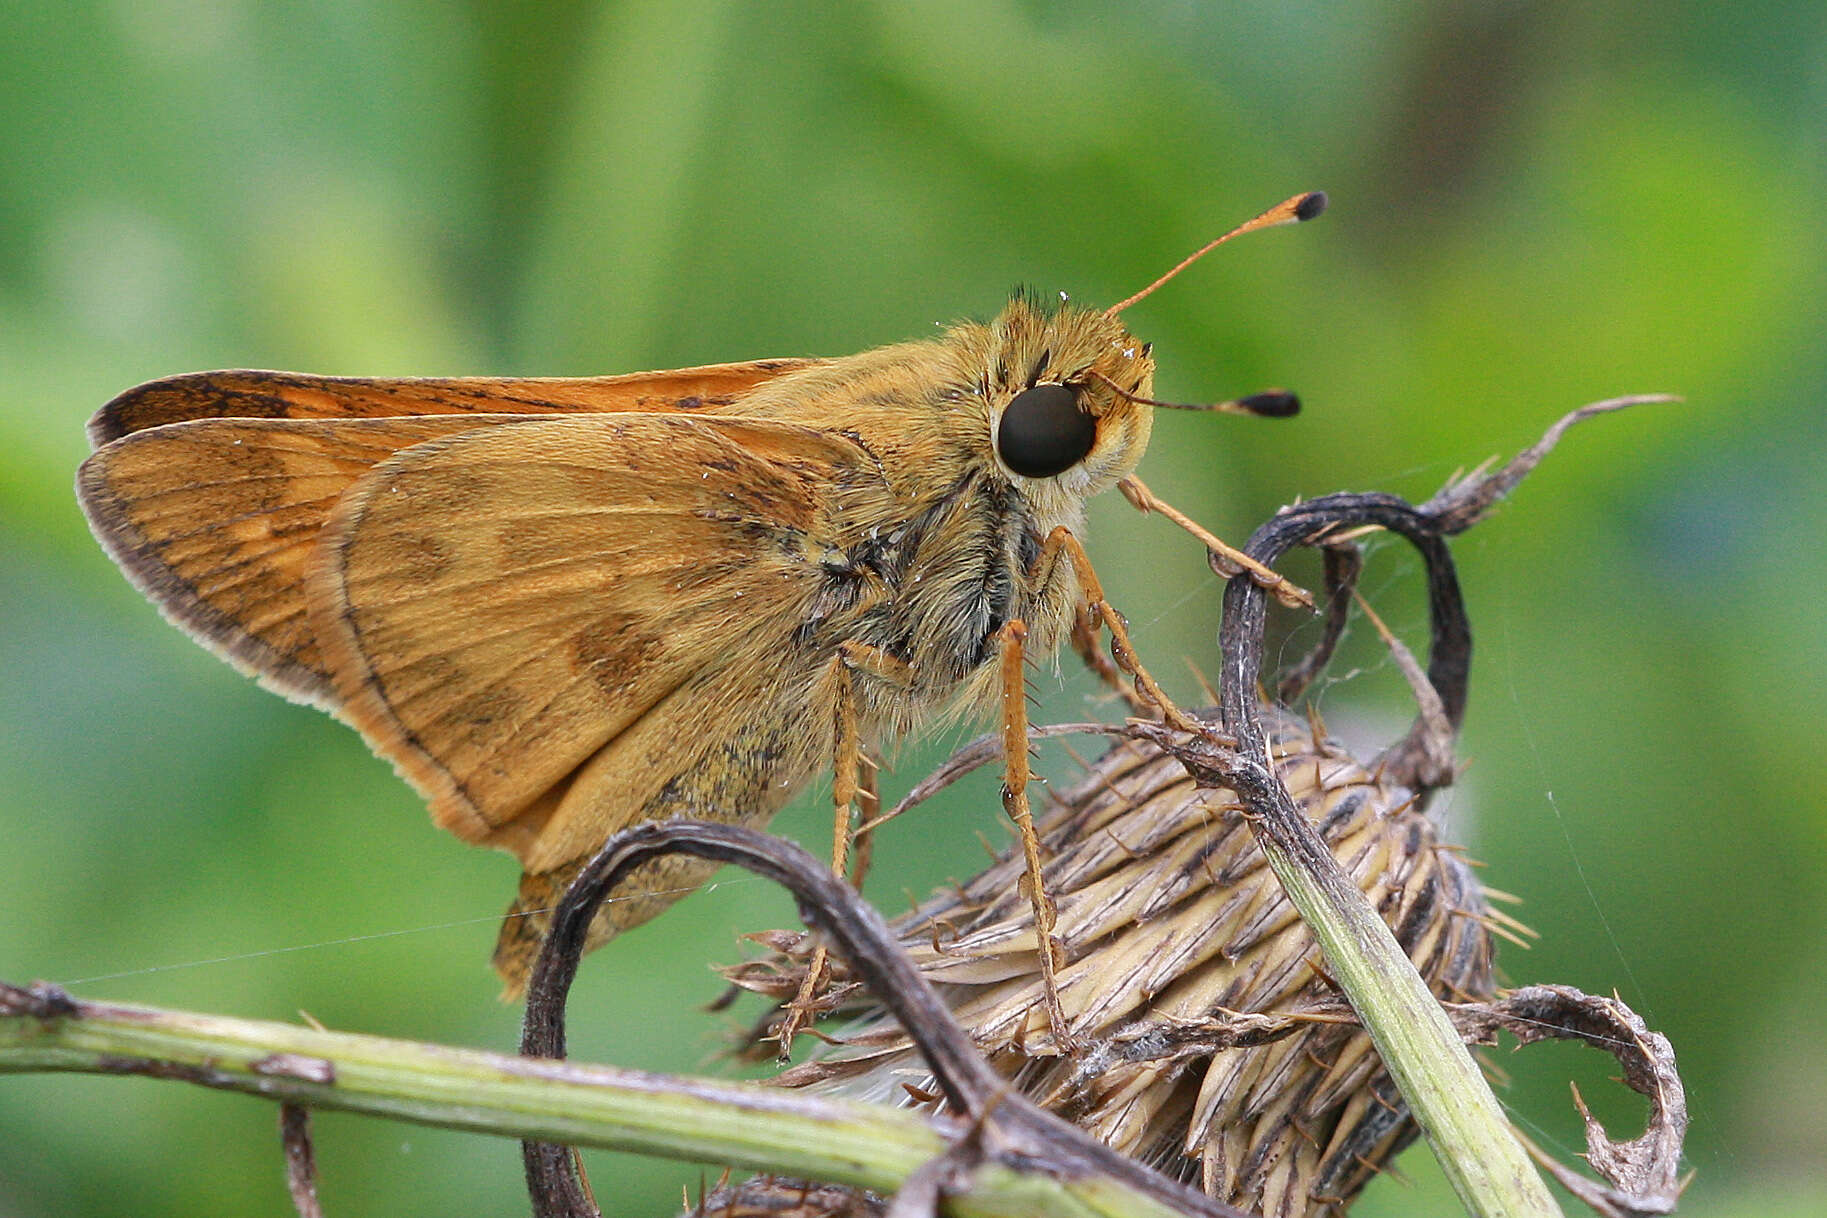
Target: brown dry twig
{"type": "Point", "coordinates": [300, 1159]}
{"type": "Point", "coordinates": [1013, 1130]}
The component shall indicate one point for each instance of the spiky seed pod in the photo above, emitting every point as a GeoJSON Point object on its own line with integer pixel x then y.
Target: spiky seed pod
{"type": "Point", "coordinates": [1178, 942]}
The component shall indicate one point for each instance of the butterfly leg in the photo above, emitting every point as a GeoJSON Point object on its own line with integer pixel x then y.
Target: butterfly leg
{"type": "Point", "coordinates": [1084, 642]}
{"type": "Point", "coordinates": [1228, 559]}
{"type": "Point", "coordinates": [868, 807]}
{"type": "Point", "coordinates": [865, 802]}
{"type": "Point", "coordinates": [1101, 612]}
{"type": "Point", "coordinates": [852, 789]}
{"type": "Point", "coordinates": [1015, 802]}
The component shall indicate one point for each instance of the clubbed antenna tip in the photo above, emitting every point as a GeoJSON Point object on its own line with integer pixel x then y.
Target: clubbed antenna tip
{"type": "Point", "coordinates": [1310, 205]}
{"type": "Point", "coordinates": [1288, 211]}
{"type": "Point", "coordinates": [1271, 403]}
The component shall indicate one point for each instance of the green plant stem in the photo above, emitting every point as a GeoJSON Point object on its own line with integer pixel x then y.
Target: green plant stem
{"type": "Point", "coordinates": [747, 1126]}
{"type": "Point", "coordinates": [1452, 1103]}
{"type": "Point", "coordinates": [1443, 1086]}
{"type": "Point", "coordinates": [1471, 1138]}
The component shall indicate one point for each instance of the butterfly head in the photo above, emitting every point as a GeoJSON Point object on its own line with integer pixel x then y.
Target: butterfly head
{"type": "Point", "coordinates": [1069, 386]}
{"type": "Point", "coordinates": [1067, 390]}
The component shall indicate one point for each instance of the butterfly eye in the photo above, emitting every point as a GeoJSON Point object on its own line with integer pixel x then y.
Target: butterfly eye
{"type": "Point", "coordinates": [1043, 432]}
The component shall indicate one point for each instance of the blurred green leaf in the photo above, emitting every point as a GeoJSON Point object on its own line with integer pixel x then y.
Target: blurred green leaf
{"type": "Point", "coordinates": [1532, 207]}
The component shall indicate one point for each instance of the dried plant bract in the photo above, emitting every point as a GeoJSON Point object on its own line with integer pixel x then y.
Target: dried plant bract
{"type": "Point", "coordinates": [1211, 1047]}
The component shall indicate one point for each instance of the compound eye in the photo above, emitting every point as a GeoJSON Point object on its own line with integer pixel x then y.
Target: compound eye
{"type": "Point", "coordinates": [1043, 432]}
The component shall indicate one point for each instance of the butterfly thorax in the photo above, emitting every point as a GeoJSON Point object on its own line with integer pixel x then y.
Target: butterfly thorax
{"type": "Point", "coordinates": [925, 562]}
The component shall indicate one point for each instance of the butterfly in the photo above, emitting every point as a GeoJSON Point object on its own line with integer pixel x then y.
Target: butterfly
{"type": "Point", "coordinates": [563, 606]}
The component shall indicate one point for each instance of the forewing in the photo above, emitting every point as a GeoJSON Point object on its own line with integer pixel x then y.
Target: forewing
{"type": "Point", "coordinates": [499, 606]}
{"type": "Point", "coordinates": [213, 519]}
{"type": "Point", "coordinates": [292, 395]}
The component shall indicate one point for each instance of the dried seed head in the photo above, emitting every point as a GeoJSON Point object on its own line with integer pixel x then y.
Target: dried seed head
{"type": "Point", "coordinates": [1209, 1045]}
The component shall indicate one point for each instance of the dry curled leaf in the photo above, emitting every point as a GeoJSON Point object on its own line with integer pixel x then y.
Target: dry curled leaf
{"type": "Point", "coordinates": [1643, 1174]}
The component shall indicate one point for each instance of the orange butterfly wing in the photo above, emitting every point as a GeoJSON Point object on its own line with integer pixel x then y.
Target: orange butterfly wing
{"type": "Point", "coordinates": [553, 627]}
{"type": "Point", "coordinates": [293, 395]}
{"type": "Point", "coordinates": [504, 610]}
{"type": "Point", "coordinates": [209, 489]}
{"type": "Point", "coordinates": [214, 520]}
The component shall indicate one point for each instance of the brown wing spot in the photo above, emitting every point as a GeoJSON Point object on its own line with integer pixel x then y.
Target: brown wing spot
{"type": "Point", "coordinates": [770, 496]}
{"type": "Point", "coordinates": [418, 558]}
{"type": "Point", "coordinates": [694, 401]}
{"type": "Point", "coordinates": [489, 715]}
{"type": "Point", "coordinates": [613, 648]}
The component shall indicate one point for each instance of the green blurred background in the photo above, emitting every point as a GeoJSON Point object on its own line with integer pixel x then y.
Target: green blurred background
{"type": "Point", "coordinates": [1533, 206]}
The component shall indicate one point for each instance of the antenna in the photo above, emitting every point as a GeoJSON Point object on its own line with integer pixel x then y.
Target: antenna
{"type": "Point", "coordinates": [1290, 211]}
{"type": "Point", "coordinates": [1269, 404]}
